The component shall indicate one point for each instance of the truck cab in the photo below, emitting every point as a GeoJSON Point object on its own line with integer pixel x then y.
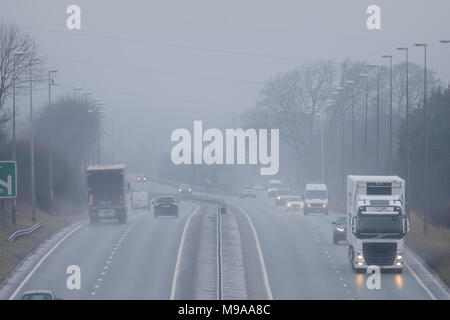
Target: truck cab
{"type": "Point", "coordinates": [377, 223]}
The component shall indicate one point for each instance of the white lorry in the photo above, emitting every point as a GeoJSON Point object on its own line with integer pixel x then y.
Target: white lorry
{"type": "Point", "coordinates": [140, 200]}
{"type": "Point", "coordinates": [377, 223]}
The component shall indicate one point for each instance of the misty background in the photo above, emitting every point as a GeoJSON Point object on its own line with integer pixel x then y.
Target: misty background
{"type": "Point", "coordinates": [159, 65]}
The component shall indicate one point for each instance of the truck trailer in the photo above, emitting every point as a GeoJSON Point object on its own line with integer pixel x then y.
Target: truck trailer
{"type": "Point", "coordinates": [107, 192]}
{"type": "Point", "coordinates": [377, 223]}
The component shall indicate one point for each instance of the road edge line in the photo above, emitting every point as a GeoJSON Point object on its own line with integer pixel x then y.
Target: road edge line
{"type": "Point", "coordinates": [30, 274]}
{"type": "Point", "coordinates": [180, 252]}
{"type": "Point", "coordinates": [260, 254]}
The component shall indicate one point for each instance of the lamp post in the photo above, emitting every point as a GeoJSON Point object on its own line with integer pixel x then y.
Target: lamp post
{"type": "Point", "coordinates": [32, 167]}
{"type": "Point", "coordinates": [378, 114]}
{"type": "Point", "coordinates": [390, 110]}
{"type": "Point", "coordinates": [365, 76]}
{"type": "Point", "coordinates": [50, 142]}
{"type": "Point", "coordinates": [351, 82]}
{"type": "Point", "coordinates": [425, 134]}
{"type": "Point", "coordinates": [15, 55]}
{"type": "Point", "coordinates": [408, 156]}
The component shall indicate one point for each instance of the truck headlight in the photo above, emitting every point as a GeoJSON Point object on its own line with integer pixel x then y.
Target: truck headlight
{"type": "Point", "coordinates": [308, 205]}
{"type": "Point", "coordinates": [278, 198]}
{"type": "Point", "coordinates": [359, 257]}
{"type": "Point", "coordinates": [179, 190]}
{"type": "Point", "coordinates": [324, 205]}
{"type": "Point", "coordinates": [288, 204]}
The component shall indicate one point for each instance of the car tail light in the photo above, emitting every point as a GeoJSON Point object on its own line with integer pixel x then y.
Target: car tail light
{"type": "Point", "coordinates": [121, 199]}
{"type": "Point", "coordinates": [91, 199]}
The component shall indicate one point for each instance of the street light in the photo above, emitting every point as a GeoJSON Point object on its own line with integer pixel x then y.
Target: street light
{"type": "Point", "coordinates": [351, 82]}
{"type": "Point", "coordinates": [425, 133]}
{"type": "Point", "coordinates": [365, 76]}
{"type": "Point", "coordinates": [33, 186]}
{"type": "Point", "coordinates": [377, 66]}
{"type": "Point", "coordinates": [390, 110]}
{"type": "Point", "coordinates": [51, 83]}
{"type": "Point", "coordinates": [408, 157]}
{"type": "Point", "coordinates": [15, 55]}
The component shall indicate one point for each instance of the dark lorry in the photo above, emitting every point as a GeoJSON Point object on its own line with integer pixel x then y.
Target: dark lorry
{"type": "Point", "coordinates": [107, 192]}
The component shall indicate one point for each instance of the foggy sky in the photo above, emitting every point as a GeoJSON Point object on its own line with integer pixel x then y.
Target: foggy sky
{"type": "Point", "coordinates": [158, 65]}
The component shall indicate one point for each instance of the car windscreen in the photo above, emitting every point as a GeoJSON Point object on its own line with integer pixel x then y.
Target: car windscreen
{"type": "Point", "coordinates": [295, 199]}
{"type": "Point", "coordinates": [282, 192]}
{"type": "Point", "coordinates": [316, 194]}
{"type": "Point", "coordinates": [37, 296]}
{"type": "Point", "coordinates": [166, 200]}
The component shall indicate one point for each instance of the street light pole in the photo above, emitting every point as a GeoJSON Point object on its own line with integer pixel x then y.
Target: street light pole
{"type": "Point", "coordinates": [425, 134]}
{"type": "Point", "coordinates": [15, 55]}
{"type": "Point", "coordinates": [33, 186]}
{"type": "Point", "coordinates": [50, 142]}
{"type": "Point", "coordinates": [408, 157]}
{"type": "Point", "coordinates": [365, 76]}
{"type": "Point", "coordinates": [378, 115]}
{"type": "Point", "coordinates": [351, 82]}
{"type": "Point", "coordinates": [390, 111]}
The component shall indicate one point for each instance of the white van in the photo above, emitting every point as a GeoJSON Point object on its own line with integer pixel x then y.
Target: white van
{"type": "Point", "coordinates": [140, 199]}
{"type": "Point", "coordinates": [316, 198]}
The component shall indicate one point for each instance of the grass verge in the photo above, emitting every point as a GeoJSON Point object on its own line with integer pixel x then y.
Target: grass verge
{"type": "Point", "coordinates": [433, 248]}
{"type": "Point", "coordinates": [11, 253]}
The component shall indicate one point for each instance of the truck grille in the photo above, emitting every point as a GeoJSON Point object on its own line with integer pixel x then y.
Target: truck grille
{"type": "Point", "coordinates": [379, 254]}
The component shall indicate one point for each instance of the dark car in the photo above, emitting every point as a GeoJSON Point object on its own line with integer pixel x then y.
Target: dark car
{"type": "Point", "coordinates": [166, 206]}
{"type": "Point", "coordinates": [339, 229]}
{"type": "Point", "coordinates": [280, 196]}
{"type": "Point", "coordinates": [185, 189]}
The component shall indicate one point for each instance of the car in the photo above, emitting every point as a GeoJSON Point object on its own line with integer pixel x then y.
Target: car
{"type": "Point", "coordinates": [280, 196]}
{"type": "Point", "coordinates": [339, 229]}
{"type": "Point", "coordinates": [39, 295]}
{"type": "Point", "coordinates": [294, 203]}
{"type": "Point", "coordinates": [316, 198]}
{"type": "Point", "coordinates": [141, 179]}
{"type": "Point", "coordinates": [184, 189]}
{"type": "Point", "coordinates": [165, 206]}
{"type": "Point", "coordinates": [272, 187]}
{"type": "Point", "coordinates": [247, 192]}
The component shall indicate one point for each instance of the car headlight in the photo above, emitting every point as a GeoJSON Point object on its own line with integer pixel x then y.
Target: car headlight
{"type": "Point", "coordinates": [288, 204]}
{"type": "Point", "coordinates": [308, 205]}
{"type": "Point", "coordinates": [340, 229]}
{"type": "Point", "coordinates": [359, 257]}
{"type": "Point", "coordinates": [190, 190]}
{"type": "Point", "coordinates": [278, 198]}
{"type": "Point", "coordinates": [180, 190]}
{"type": "Point", "coordinates": [324, 205]}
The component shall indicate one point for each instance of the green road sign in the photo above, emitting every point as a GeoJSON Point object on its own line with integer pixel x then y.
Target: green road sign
{"type": "Point", "coordinates": [8, 179]}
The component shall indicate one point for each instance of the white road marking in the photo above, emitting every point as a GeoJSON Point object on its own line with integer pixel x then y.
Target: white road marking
{"type": "Point", "coordinates": [180, 251]}
{"type": "Point", "coordinates": [260, 255]}
{"type": "Point", "coordinates": [42, 260]}
{"type": "Point", "coordinates": [432, 296]}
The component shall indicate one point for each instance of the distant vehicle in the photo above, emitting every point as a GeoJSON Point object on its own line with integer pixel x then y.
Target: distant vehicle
{"type": "Point", "coordinates": [39, 295]}
{"type": "Point", "coordinates": [247, 192]}
{"type": "Point", "coordinates": [377, 224]}
{"type": "Point", "coordinates": [141, 179]}
{"type": "Point", "coordinates": [140, 199]}
{"type": "Point", "coordinates": [316, 198]}
{"type": "Point", "coordinates": [184, 189]}
{"type": "Point", "coordinates": [294, 203]}
{"type": "Point", "coordinates": [281, 196]}
{"type": "Point", "coordinates": [106, 192]}
{"type": "Point", "coordinates": [339, 229]}
{"type": "Point", "coordinates": [272, 187]}
{"type": "Point", "coordinates": [166, 206]}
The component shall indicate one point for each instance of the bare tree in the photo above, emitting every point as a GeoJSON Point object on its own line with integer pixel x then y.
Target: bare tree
{"type": "Point", "coordinates": [15, 66]}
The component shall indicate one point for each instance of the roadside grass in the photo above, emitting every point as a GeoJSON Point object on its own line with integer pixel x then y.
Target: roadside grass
{"type": "Point", "coordinates": [433, 248]}
{"type": "Point", "coordinates": [11, 253]}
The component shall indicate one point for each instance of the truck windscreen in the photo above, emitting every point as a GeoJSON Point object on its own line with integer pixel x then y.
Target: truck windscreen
{"type": "Point", "coordinates": [316, 194]}
{"type": "Point", "coordinates": [380, 224]}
